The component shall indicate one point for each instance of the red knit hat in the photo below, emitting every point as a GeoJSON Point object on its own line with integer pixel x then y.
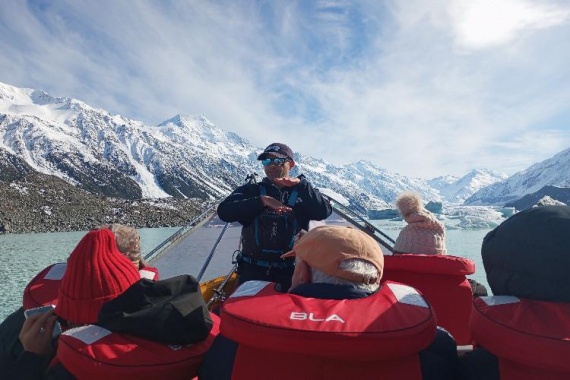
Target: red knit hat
{"type": "Point", "coordinates": [96, 273]}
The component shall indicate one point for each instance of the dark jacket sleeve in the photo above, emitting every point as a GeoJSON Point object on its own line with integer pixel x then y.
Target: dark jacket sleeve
{"type": "Point", "coordinates": [29, 366]}
{"type": "Point", "coordinates": [10, 345]}
{"type": "Point", "coordinates": [218, 363]}
{"type": "Point", "coordinates": [313, 205]}
{"type": "Point", "coordinates": [59, 372]}
{"type": "Point", "coordinates": [242, 205]}
{"type": "Point", "coordinates": [439, 360]}
{"type": "Point", "coordinates": [479, 364]}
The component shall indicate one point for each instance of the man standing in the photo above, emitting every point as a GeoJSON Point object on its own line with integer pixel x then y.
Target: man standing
{"type": "Point", "coordinates": [272, 212]}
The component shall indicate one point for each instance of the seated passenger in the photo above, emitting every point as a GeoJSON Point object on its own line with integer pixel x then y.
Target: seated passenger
{"type": "Point", "coordinates": [103, 307]}
{"type": "Point", "coordinates": [96, 273]}
{"type": "Point", "coordinates": [43, 290]}
{"type": "Point", "coordinates": [129, 243]}
{"type": "Point", "coordinates": [522, 331]}
{"type": "Point", "coordinates": [424, 233]}
{"type": "Point", "coordinates": [335, 322]}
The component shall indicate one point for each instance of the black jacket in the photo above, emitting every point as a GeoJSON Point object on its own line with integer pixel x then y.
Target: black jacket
{"type": "Point", "coordinates": [10, 345]}
{"type": "Point", "coordinates": [244, 204]}
{"type": "Point", "coordinates": [527, 255]}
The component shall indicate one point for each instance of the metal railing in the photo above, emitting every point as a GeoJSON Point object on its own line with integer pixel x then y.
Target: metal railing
{"type": "Point", "coordinates": [185, 230]}
{"type": "Point", "coordinates": [345, 212]}
{"type": "Point", "coordinates": [361, 223]}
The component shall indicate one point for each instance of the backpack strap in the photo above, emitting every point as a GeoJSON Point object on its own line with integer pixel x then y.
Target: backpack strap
{"type": "Point", "coordinates": [292, 197]}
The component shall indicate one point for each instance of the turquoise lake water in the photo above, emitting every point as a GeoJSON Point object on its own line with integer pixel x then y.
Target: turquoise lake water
{"type": "Point", "coordinates": [22, 256]}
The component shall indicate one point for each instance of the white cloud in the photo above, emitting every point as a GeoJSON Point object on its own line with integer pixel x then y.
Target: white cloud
{"type": "Point", "coordinates": [418, 87]}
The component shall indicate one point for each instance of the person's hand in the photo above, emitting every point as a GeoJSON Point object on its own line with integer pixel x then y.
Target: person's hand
{"type": "Point", "coordinates": [286, 181]}
{"type": "Point", "coordinates": [275, 205]}
{"type": "Point", "coordinates": [36, 333]}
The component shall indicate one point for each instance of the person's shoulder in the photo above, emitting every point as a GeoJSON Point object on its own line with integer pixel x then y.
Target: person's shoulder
{"type": "Point", "coordinates": [303, 181]}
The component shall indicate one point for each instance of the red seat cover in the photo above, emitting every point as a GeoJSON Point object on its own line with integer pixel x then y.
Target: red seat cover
{"type": "Point", "coordinates": [441, 280]}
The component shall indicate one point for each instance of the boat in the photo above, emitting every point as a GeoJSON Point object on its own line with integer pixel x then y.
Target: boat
{"type": "Point", "coordinates": [178, 248]}
{"type": "Point", "coordinates": [216, 243]}
{"type": "Point", "coordinates": [442, 272]}
{"type": "Point", "coordinates": [219, 284]}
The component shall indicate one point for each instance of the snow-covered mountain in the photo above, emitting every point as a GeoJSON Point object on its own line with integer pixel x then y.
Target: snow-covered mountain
{"type": "Point", "coordinates": [184, 156]}
{"type": "Point", "coordinates": [457, 190]}
{"type": "Point", "coordinates": [554, 171]}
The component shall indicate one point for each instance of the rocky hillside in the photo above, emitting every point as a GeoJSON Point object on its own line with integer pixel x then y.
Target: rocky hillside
{"type": "Point", "coordinates": [554, 193]}
{"type": "Point", "coordinates": [43, 203]}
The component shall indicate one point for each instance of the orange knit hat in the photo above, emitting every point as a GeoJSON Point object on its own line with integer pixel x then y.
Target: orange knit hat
{"type": "Point", "coordinates": [96, 273]}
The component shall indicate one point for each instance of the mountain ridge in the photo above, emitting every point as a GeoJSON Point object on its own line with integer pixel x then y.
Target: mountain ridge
{"type": "Point", "coordinates": [185, 157]}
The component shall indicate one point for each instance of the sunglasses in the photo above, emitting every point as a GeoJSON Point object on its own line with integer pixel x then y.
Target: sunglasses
{"type": "Point", "coordinates": [274, 161]}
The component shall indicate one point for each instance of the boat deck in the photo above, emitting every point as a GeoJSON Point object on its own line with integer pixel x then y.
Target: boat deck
{"type": "Point", "coordinates": [189, 252]}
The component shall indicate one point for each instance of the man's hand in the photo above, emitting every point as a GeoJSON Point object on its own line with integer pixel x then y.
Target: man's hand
{"type": "Point", "coordinates": [36, 333]}
{"type": "Point", "coordinates": [274, 204]}
{"type": "Point", "coordinates": [286, 181]}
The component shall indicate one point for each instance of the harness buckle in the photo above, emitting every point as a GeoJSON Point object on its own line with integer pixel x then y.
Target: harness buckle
{"type": "Point", "coordinates": [237, 257]}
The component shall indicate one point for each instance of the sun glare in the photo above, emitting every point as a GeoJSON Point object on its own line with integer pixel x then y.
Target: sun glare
{"type": "Point", "coordinates": [482, 23]}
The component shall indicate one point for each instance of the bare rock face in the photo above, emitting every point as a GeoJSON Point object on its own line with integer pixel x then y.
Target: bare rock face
{"type": "Point", "coordinates": [40, 203]}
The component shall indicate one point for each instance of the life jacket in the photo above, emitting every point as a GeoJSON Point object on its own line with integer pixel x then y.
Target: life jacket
{"type": "Point", "coordinates": [149, 272]}
{"type": "Point", "coordinates": [271, 234]}
{"type": "Point", "coordinates": [92, 352]}
{"type": "Point", "coordinates": [289, 337]}
{"type": "Point", "coordinates": [441, 280]}
{"type": "Point", "coordinates": [43, 289]}
{"type": "Point", "coordinates": [530, 338]}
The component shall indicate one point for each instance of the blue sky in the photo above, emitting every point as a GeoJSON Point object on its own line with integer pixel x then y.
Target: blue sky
{"type": "Point", "coordinates": [419, 87]}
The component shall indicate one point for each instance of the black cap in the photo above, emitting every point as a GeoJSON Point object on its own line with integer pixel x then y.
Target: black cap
{"type": "Point", "coordinates": [277, 150]}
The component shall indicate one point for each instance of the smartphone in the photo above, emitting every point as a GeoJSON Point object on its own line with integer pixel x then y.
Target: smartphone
{"type": "Point", "coordinates": [41, 310]}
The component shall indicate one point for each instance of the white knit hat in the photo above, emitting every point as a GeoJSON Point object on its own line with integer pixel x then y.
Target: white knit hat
{"type": "Point", "coordinates": [424, 234]}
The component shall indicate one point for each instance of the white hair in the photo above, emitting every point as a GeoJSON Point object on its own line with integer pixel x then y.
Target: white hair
{"type": "Point", "coordinates": [362, 267]}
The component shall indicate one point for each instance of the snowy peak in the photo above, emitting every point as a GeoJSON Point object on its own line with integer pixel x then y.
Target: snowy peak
{"type": "Point", "coordinates": [554, 171]}
{"type": "Point", "coordinates": [190, 157]}
{"type": "Point", "coordinates": [457, 190]}
{"type": "Point", "coordinates": [41, 105]}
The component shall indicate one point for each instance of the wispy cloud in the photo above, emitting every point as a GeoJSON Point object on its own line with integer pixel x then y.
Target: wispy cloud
{"type": "Point", "coordinates": [423, 88]}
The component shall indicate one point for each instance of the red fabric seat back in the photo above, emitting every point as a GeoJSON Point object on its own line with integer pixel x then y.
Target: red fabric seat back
{"type": "Point", "coordinates": [286, 336]}
{"type": "Point", "coordinates": [43, 289]}
{"type": "Point", "coordinates": [254, 363]}
{"type": "Point", "coordinates": [530, 338]}
{"type": "Point", "coordinates": [441, 280]}
{"type": "Point", "coordinates": [92, 352]}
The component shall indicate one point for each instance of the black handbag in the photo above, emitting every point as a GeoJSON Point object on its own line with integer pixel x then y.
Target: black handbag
{"type": "Point", "coordinates": [169, 311]}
